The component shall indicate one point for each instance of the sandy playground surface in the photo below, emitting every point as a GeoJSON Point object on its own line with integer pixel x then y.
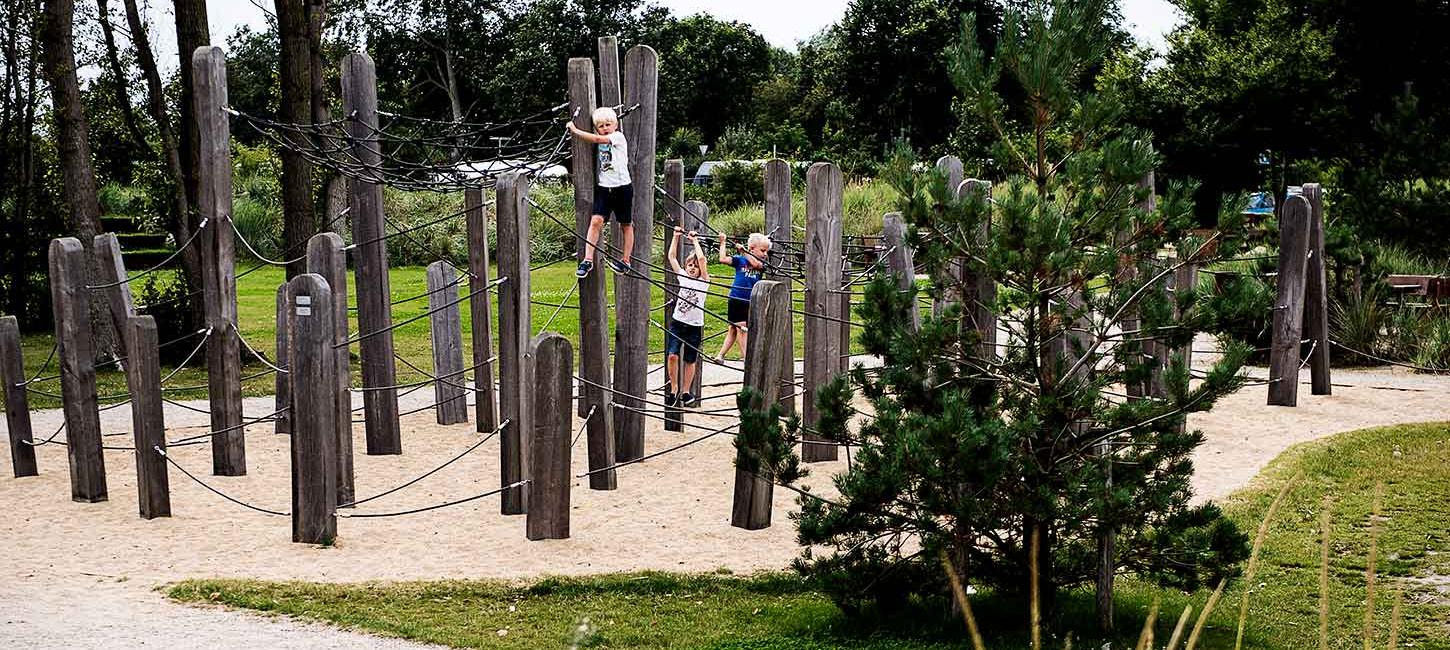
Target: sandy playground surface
{"type": "Point", "coordinates": [83, 575]}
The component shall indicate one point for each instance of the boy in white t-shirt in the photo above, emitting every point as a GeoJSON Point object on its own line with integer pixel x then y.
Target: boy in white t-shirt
{"type": "Point", "coordinates": [687, 322]}
{"type": "Point", "coordinates": [613, 193]}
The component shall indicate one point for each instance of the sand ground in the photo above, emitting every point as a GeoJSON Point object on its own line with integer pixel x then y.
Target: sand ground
{"type": "Point", "coordinates": [84, 575]}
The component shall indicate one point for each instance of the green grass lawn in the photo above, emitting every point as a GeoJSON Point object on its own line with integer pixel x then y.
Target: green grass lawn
{"type": "Point", "coordinates": [257, 308]}
{"type": "Point", "coordinates": [654, 610]}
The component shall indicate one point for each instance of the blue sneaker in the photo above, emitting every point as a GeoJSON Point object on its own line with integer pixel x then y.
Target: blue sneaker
{"type": "Point", "coordinates": [584, 268]}
{"type": "Point", "coordinates": [620, 267]}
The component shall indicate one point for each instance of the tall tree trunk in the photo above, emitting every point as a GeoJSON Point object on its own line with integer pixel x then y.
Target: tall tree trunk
{"type": "Point", "coordinates": [321, 114]}
{"type": "Point", "coordinates": [298, 222]}
{"type": "Point", "coordinates": [73, 139]}
{"type": "Point", "coordinates": [180, 221]}
{"type": "Point", "coordinates": [123, 100]}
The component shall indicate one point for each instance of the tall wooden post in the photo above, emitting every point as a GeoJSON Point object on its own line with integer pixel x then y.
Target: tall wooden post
{"type": "Point", "coordinates": [952, 168]}
{"type": "Point", "coordinates": [107, 250]}
{"type": "Point", "coordinates": [483, 391]}
{"type": "Point", "coordinates": [769, 316]}
{"type": "Point", "coordinates": [632, 290]}
{"type": "Point", "coordinates": [514, 326]}
{"type": "Point", "coordinates": [283, 384]}
{"type": "Point", "coordinates": [1316, 296]}
{"type": "Point", "coordinates": [822, 306]}
{"type": "Point", "coordinates": [979, 290]}
{"type": "Point", "coordinates": [327, 257]}
{"type": "Point", "coordinates": [219, 282]}
{"type": "Point", "coordinates": [674, 216]}
{"type": "Point", "coordinates": [1128, 271]}
{"type": "Point", "coordinates": [314, 399]}
{"type": "Point", "coordinates": [781, 228]}
{"type": "Point", "coordinates": [551, 380]}
{"type": "Point", "coordinates": [17, 403]}
{"type": "Point", "coordinates": [1294, 230]}
{"type": "Point", "coordinates": [374, 311]}
{"type": "Point", "coordinates": [148, 425]}
{"type": "Point", "coordinates": [899, 260]}
{"type": "Point", "coordinates": [447, 336]}
{"type": "Point", "coordinates": [593, 310]}
{"type": "Point", "coordinates": [71, 303]}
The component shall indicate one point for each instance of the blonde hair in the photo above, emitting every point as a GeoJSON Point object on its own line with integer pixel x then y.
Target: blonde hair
{"type": "Point", "coordinates": [758, 238]}
{"type": "Point", "coordinates": [605, 114]}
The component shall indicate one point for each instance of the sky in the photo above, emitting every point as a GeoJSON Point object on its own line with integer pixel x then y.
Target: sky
{"type": "Point", "coordinates": [783, 23]}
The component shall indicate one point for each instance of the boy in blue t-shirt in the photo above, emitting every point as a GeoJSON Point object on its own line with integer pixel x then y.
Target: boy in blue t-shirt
{"type": "Point", "coordinates": [748, 268]}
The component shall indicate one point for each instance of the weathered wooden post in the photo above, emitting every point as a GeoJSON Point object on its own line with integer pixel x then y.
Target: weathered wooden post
{"type": "Point", "coordinates": [17, 403]}
{"type": "Point", "coordinates": [447, 336]}
{"type": "Point", "coordinates": [1127, 272]}
{"type": "Point", "coordinates": [632, 290]}
{"type": "Point", "coordinates": [979, 290]}
{"type": "Point", "coordinates": [314, 408]}
{"type": "Point", "coordinates": [374, 310]}
{"type": "Point", "coordinates": [514, 325]}
{"type": "Point", "coordinates": [71, 304]}
{"type": "Point", "coordinates": [218, 254]}
{"type": "Point", "coordinates": [1316, 296]}
{"type": "Point", "coordinates": [675, 216]}
{"type": "Point", "coordinates": [112, 268]}
{"type": "Point", "coordinates": [769, 315]}
{"type": "Point", "coordinates": [148, 425]}
{"type": "Point", "coordinates": [952, 168]}
{"type": "Point", "coordinates": [551, 379]}
{"type": "Point", "coordinates": [483, 391]}
{"type": "Point", "coordinates": [593, 310]}
{"type": "Point", "coordinates": [282, 385]}
{"type": "Point", "coordinates": [781, 230]}
{"type": "Point", "coordinates": [822, 306]}
{"type": "Point", "coordinates": [899, 260]}
{"type": "Point", "coordinates": [1294, 231]}
{"type": "Point", "coordinates": [327, 257]}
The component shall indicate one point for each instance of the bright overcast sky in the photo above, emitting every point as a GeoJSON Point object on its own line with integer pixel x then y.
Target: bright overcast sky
{"type": "Point", "coordinates": [782, 22]}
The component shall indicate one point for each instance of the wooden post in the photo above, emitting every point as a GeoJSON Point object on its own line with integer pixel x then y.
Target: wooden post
{"type": "Point", "coordinates": [1316, 296]}
{"type": "Point", "coordinates": [979, 290]}
{"type": "Point", "coordinates": [113, 271]}
{"type": "Point", "coordinates": [283, 384]}
{"type": "Point", "coordinates": [219, 282]}
{"type": "Point", "coordinates": [71, 304]}
{"type": "Point", "coordinates": [822, 306]}
{"type": "Point", "coordinates": [447, 336]}
{"type": "Point", "coordinates": [374, 311]}
{"type": "Point", "coordinates": [148, 425]}
{"type": "Point", "coordinates": [1157, 353]}
{"type": "Point", "coordinates": [769, 315]}
{"type": "Point", "coordinates": [781, 228]}
{"type": "Point", "coordinates": [551, 380]}
{"type": "Point", "coordinates": [514, 325]}
{"type": "Point", "coordinates": [593, 311]}
{"type": "Point", "coordinates": [899, 260]}
{"type": "Point", "coordinates": [1294, 231]}
{"type": "Point", "coordinates": [1128, 271]}
{"type": "Point", "coordinates": [314, 402]}
{"type": "Point", "coordinates": [327, 257]}
{"type": "Point", "coordinates": [17, 403]}
{"type": "Point", "coordinates": [675, 216]}
{"type": "Point", "coordinates": [483, 392]}
{"type": "Point", "coordinates": [632, 290]}
{"type": "Point", "coordinates": [952, 168]}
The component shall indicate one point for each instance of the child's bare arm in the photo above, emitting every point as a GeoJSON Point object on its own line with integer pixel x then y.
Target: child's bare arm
{"type": "Point", "coordinates": [700, 255]}
{"type": "Point", "coordinates": [674, 254]}
{"type": "Point", "coordinates": [587, 136]}
{"type": "Point", "coordinates": [724, 253]}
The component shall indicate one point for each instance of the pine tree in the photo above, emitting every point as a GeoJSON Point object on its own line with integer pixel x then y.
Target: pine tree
{"type": "Point", "coordinates": [978, 450]}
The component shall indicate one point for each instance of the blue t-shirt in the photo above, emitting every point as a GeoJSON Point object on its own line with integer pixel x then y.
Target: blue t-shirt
{"type": "Point", "coordinates": [745, 277]}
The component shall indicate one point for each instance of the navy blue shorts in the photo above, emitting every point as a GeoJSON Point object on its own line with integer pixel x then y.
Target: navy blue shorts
{"type": "Point", "coordinates": [737, 310]}
{"type": "Point", "coordinates": [684, 339]}
{"type": "Point", "coordinates": [618, 201]}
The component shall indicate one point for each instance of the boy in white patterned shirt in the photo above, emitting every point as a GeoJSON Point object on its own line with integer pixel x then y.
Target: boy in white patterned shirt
{"type": "Point", "coordinates": [613, 193]}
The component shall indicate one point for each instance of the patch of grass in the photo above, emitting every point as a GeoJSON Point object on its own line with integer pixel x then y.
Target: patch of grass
{"type": "Point", "coordinates": [656, 610]}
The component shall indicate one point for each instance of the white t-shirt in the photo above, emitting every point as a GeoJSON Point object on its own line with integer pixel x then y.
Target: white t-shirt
{"type": "Point", "coordinates": [691, 299]}
{"type": "Point", "coordinates": [613, 162]}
